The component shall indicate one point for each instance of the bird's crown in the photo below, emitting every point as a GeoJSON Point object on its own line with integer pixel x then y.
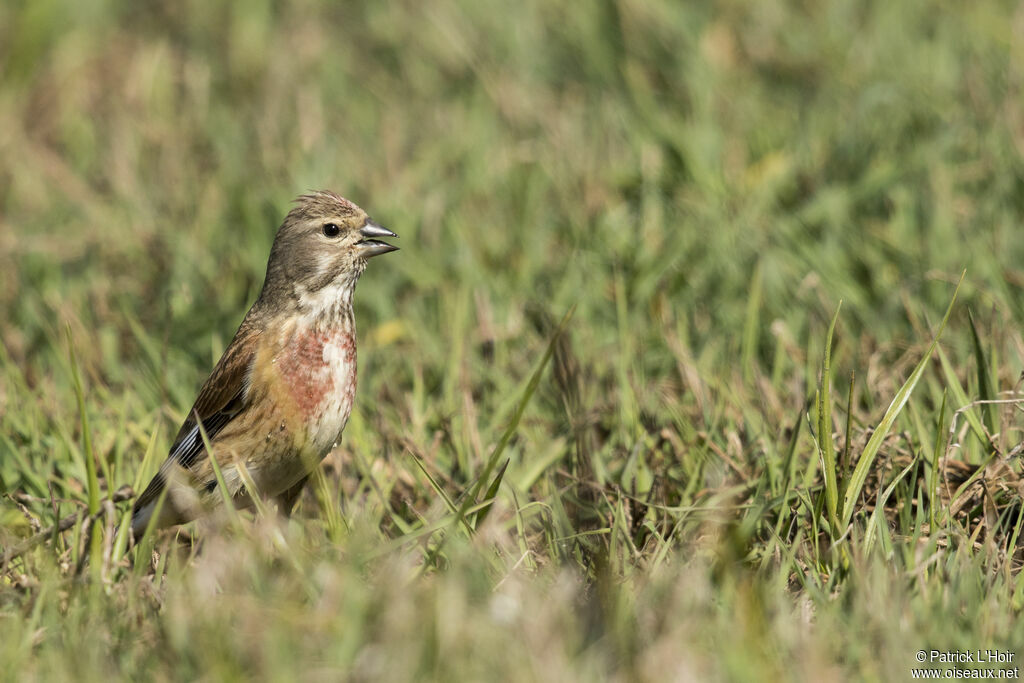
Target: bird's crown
{"type": "Point", "coordinates": [321, 204]}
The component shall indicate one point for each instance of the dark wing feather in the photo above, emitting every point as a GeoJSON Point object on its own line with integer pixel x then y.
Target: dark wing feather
{"type": "Point", "coordinates": [189, 449]}
{"type": "Point", "coordinates": [221, 399]}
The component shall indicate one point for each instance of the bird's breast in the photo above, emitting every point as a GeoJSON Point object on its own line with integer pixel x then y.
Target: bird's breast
{"type": "Point", "coordinates": [317, 367]}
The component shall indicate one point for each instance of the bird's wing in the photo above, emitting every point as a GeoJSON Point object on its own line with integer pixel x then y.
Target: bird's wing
{"type": "Point", "coordinates": [222, 398]}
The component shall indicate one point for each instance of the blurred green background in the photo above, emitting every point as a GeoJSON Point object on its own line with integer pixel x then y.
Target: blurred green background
{"type": "Point", "coordinates": [703, 182]}
{"type": "Point", "coordinates": [849, 150]}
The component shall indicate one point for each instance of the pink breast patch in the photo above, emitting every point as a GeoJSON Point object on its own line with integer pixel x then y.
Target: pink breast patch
{"type": "Point", "coordinates": [308, 373]}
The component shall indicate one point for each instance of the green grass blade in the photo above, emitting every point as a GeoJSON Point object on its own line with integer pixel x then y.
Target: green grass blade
{"type": "Point", "coordinates": [448, 502]}
{"type": "Point", "coordinates": [933, 478]}
{"type": "Point", "coordinates": [95, 538]}
{"type": "Point", "coordinates": [985, 391]}
{"type": "Point", "coordinates": [229, 504]}
{"type": "Point", "coordinates": [826, 446]}
{"type": "Point", "coordinates": [524, 400]}
{"type": "Point", "coordinates": [92, 480]}
{"type": "Point", "coordinates": [960, 398]}
{"type": "Point", "coordinates": [867, 457]}
{"type": "Point", "coordinates": [144, 546]}
{"type": "Point", "coordinates": [492, 491]}
{"type": "Point", "coordinates": [875, 520]}
{"type": "Point", "coordinates": [844, 460]}
{"type": "Point", "coordinates": [751, 325]}
{"type": "Point", "coordinates": [147, 459]}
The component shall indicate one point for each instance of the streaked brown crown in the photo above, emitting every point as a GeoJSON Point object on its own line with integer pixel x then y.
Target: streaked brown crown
{"type": "Point", "coordinates": [321, 204]}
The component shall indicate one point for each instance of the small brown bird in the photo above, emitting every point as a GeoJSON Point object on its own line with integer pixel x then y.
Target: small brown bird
{"type": "Point", "coordinates": [279, 398]}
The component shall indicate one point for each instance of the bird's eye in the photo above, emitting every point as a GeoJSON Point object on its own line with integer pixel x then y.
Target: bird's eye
{"type": "Point", "coordinates": [331, 230]}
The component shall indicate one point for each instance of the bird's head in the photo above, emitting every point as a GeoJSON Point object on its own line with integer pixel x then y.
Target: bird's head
{"type": "Point", "coordinates": [325, 241]}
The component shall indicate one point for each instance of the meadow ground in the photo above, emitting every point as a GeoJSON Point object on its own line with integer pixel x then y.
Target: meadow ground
{"type": "Point", "coordinates": [695, 487]}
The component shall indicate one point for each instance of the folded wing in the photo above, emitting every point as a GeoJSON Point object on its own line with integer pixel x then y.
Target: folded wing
{"type": "Point", "coordinates": [222, 398]}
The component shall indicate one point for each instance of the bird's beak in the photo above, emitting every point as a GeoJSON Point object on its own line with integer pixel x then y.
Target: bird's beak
{"type": "Point", "coordinates": [371, 247]}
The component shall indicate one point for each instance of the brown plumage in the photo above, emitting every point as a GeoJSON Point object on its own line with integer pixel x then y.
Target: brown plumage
{"type": "Point", "coordinates": [280, 396]}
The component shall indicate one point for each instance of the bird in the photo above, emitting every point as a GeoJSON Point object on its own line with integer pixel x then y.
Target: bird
{"type": "Point", "coordinates": [280, 396]}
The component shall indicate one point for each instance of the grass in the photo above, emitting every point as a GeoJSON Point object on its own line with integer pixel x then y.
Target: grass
{"type": "Point", "coordinates": [700, 474]}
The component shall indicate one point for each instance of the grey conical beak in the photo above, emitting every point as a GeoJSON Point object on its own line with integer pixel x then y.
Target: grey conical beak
{"type": "Point", "coordinates": [372, 247]}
